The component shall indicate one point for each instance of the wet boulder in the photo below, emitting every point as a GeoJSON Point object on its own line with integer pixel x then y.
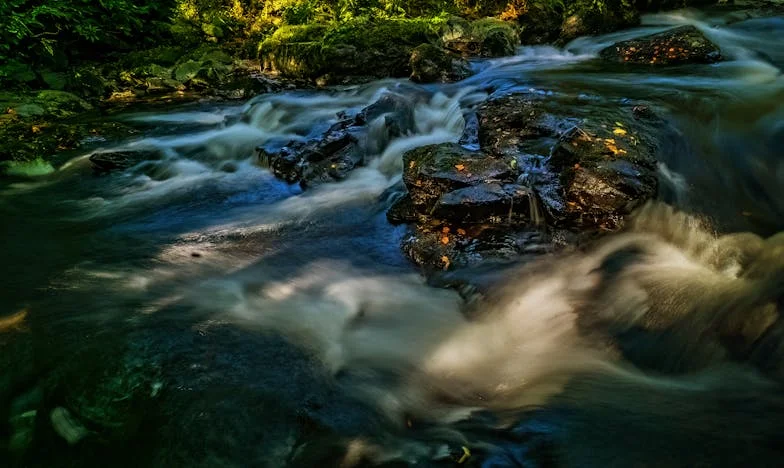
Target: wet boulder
{"type": "Point", "coordinates": [465, 207]}
{"type": "Point", "coordinates": [486, 202]}
{"type": "Point", "coordinates": [685, 44]}
{"type": "Point", "coordinates": [336, 152]}
{"type": "Point", "coordinates": [397, 112]}
{"type": "Point", "coordinates": [430, 64]}
{"type": "Point", "coordinates": [588, 162]}
{"type": "Point", "coordinates": [327, 158]}
{"type": "Point", "coordinates": [440, 246]}
{"type": "Point", "coordinates": [433, 171]}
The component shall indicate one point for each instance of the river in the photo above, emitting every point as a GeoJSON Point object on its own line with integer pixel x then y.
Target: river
{"type": "Point", "coordinates": [193, 310]}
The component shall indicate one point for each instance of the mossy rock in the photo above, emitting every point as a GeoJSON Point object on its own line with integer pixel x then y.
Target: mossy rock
{"type": "Point", "coordinates": [685, 44]}
{"type": "Point", "coordinates": [361, 47]}
{"type": "Point", "coordinates": [430, 63]}
{"type": "Point", "coordinates": [487, 37]}
{"type": "Point", "coordinates": [294, 51]}
{"type": "Point", "coordinates": [589, 17]}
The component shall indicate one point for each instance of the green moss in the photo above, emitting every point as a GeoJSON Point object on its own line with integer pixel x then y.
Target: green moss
{"type": "Point", "coordinates": [35, 168]}
{"type": "Point", "coordinates": [294, 50]}
{"type": "Point", "coordinates": [498, 38]}
{"type": "Point", "coordinates": [359, 47]}
{"type": "Point", "coordinates": [589, 17]}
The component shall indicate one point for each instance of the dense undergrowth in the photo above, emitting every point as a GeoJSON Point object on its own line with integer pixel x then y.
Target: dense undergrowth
{"type": "Point", "coordinates": [37, 36]}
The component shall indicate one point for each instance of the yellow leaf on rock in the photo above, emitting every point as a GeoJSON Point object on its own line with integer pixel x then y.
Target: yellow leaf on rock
{"type": "Point", "coordinates": [466, 455]}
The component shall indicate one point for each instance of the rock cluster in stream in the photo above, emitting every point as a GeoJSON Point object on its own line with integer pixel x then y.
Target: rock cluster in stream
{"type": "Point", "coordinates": [547, 170]}
{"type": "Point", "coordinates": [531, 172]}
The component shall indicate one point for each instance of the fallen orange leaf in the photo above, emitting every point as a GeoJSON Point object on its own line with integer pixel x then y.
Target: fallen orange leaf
{"type": "Point", "coordinates": [459, 167]}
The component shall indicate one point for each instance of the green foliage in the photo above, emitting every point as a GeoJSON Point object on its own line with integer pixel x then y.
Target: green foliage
{"type": "Point", "coordinates": [53, 31]}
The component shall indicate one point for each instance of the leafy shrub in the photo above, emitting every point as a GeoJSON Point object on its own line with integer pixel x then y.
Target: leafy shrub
{"type": "Point", "coordinates": [54, 31]}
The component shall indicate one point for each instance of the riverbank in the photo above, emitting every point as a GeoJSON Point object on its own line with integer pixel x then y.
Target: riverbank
{"type": "Point", "coordinates": [47, 109]}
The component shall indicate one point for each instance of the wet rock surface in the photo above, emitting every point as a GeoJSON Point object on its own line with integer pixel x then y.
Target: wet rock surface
{"type": "Point", "coordinates": [332, 155]}
{"type": "Point", "coordinates": [682, 45]}
{"type": "Point", "coordinates": [589, 162]}
{"type": "Point", "coordinates": [548, 171]}
{"type": "Point", "coordinates": [110, 161]}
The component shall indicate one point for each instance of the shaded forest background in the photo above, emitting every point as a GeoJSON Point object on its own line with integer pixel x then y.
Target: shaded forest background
{"type": "Point", "coordinates": [38, 35]}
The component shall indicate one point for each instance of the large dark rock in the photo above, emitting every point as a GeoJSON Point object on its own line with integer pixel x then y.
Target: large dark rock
{"type": "Point", "coordinates": [465, 205]}
{"type": "Point", "coordinates": [336, 152]}
{"type": "Point", "coordinates": [329, 157]}
{"type": "Point", "coordinates": [432, 171]}
{"type": "Point", "coordinates": [685, 44]}
{"type": "Point", "coordinates": [430, 64]}
{"type": "Point", "coordinates": [590, 163]}
{"type": "Point", "coordinates": [486, 202]}
{"type": "Point", "coordinates": [442, 247]}
{"type": "Point", "coordinates": [548, 172]}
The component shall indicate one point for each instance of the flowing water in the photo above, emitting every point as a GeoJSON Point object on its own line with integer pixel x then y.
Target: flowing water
{"type": "Point", "coordinates": [192, 310]}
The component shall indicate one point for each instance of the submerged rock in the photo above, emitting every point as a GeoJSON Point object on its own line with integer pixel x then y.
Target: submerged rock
{"type": "Point", "coordinates": [109, 161]}
{"type": "Point", "coordinates": [67, 426]}
{"type": "Point", "coordinates": [431, 64]}
{"type": "Point", "coordinates": [685, 44]}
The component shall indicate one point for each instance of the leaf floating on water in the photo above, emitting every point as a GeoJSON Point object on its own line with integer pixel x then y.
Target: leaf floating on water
{"type": "Point", "coordinates": [445, 229]}
{"type": "Point", "coordinates": [13, 321]}
{"type": "Point", "coordinates": [459, 167]}
{"type": "Point", "coordinates": [445, 240]}
{"type": "Point", "coordinates": [462, 232]}
{"type": "Point", "coordinates": [446, 262]}
{"type": "Point", "coordinates": [619, 131]}
{"type": "Point", "coordinates": [619, 124]}
{"type": "Point", "coordinates": [466, 455]}
{"type": "Point", "coordinates": [411, 164]}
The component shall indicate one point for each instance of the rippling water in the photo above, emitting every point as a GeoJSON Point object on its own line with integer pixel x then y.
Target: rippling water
{"type": "Point", "coordinates": [192, 310]}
